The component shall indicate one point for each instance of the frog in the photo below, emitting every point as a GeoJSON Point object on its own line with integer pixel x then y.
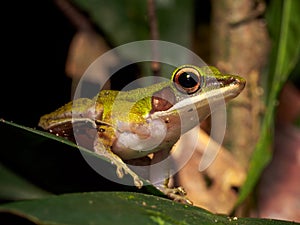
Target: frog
{"type": "Point", "coordinates": [134, 124]}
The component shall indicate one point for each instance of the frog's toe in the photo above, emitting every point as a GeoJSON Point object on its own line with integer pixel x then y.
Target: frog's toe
{"type": "Point", "coordinates": [180, 199]}
{"type": "Point", "coordinates": [120, 172]}
{"type": "Point", "coordinates": [177, 194]}
{"type": "Point", "coordinates": [137, 182]}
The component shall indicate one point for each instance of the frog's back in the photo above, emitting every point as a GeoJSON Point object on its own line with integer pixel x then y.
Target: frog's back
{"type": "Point", "coordinates": [64, 113]}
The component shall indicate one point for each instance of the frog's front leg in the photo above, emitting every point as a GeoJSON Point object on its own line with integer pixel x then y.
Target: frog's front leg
{"type": "Point", "coordinates": [121, 166]}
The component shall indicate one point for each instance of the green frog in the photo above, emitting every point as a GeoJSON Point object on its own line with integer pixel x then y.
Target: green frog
{"type": "Point", "coordinates": [133, 124]}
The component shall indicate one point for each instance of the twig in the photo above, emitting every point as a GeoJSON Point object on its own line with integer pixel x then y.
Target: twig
{"type": "Point", "coordinates": [154, 34]}
{"type": "Point", "coordinates": [74, 15]}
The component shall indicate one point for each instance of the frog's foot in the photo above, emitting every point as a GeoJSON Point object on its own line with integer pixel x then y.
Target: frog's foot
{"type": "Point", "coordinates": [177, 194]}
{"type": "Point", "coordinates": [121, 166]}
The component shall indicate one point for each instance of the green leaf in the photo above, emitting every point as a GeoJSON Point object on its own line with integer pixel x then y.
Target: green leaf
{"type": "Point", "coordinates": [117, 208]}
{"type": "Point", "coordinates": [13, 187]}
{"type": "Point", "coordinates": [55, 164]}
{"type": "Point", "coordinates": [283, 24]}
{"type": "Point", "coordinates": [283, 21]}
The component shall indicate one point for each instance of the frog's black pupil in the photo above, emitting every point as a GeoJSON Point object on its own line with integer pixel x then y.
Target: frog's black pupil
{"type": "Point", "coordinates": [188, 80]}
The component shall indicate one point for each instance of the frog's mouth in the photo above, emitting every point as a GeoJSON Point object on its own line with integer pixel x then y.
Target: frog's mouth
{"type": "Point", "coordinates": [226, 87]}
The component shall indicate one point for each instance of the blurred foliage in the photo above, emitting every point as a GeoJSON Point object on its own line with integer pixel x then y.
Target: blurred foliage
{"type": "Point", "coordinates": [14, 187]}
{"type": "Point", "coordinates": [127, 21]}
{"type": "Point", "coordinates": [283, 23]}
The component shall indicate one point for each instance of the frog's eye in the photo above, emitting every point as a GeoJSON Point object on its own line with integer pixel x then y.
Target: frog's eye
{"type": "Point", "coordinates": [187, 80]}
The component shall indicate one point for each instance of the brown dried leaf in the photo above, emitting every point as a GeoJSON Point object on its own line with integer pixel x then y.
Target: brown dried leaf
{"type": "Point", "coordinates": [215, 188]}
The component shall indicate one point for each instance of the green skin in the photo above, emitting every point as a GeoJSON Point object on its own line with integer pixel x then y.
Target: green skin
{"type": "Point", "coordinates": [132, 124]}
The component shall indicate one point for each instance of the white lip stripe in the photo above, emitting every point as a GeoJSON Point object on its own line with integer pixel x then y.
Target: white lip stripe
{"type": "Point", "coordinates": [220, 93]}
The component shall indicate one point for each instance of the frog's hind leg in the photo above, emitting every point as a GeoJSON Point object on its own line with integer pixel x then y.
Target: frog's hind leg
{"type": "Point", "coordinates": [113, 158]}
{"type": "Point", "coordinates": [160, 177]}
